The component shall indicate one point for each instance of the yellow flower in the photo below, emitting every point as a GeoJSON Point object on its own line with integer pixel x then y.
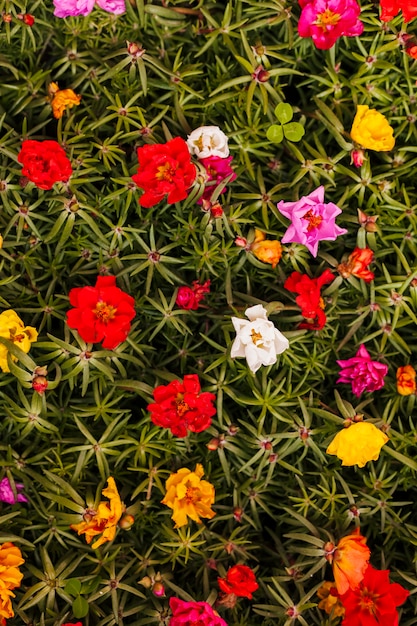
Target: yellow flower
{"type": "Point", "coordinates": [358, 444]}
{"type": "Point", "coordinates": [371, 130]}
{"type": "Point", "coordinates": [103, 521]}
{"type": "Point", "coordinates": [1, 242]}
{"type": "Point", "coordinates": [62, 99]}
{"type": "Point", "coordinates": [266, 250]}
{"type": "Point", "coordinates": [10, 577]}
{"type": "Point", "coordinates": [406, 380]}
{"type": "Point", "coordinates": [329, 600]}
{"type": "Point", "coordinates": [13, 329]}
{"type": "Point", "coordinates": [188, 495]}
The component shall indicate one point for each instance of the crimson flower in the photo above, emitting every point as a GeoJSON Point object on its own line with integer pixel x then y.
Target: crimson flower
{"type": "Point", "coordinates": [239, 580]}
{"type": "Point", "coordinates": [189, 298]}
{"type": "Point", "coordinates": [165, 169]}
{"type": "Point", "coordinates": [101, 313]}
{"type": "Point", "coordinates": [327, 20]}
{"type": "Point", "coordinates": [363, 373]}
{"type": "Point", "coordinates": [181, 406]}
{"type": "Point", "coordinates": [218, 169]}
{"type": "Point", "coordinates": [44, 163]}
{"type": "Point", "coordinates": [309, 298]}
{"type": "Point", "coordinates": [374, 602]}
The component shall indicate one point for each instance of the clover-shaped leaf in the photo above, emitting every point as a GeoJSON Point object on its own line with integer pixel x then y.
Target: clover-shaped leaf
{"type": "Point", "coordinates": [275, 133]}
{"type": "Point", "coordinates": [293, 131]}
{"type": "Point", "coordinates": [284, 113]}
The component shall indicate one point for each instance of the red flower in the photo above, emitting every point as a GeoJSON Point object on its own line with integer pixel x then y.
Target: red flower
{"type": "Point", "coordinates": [357, 265]}
{"type": "Point", "coordinates": [101, 313]}
{"type": "Point", "coordinates": [375, 601]}
{"type": "Point", "coordinates": [239, 580]}
{"type": "Point", "coordinates": [189, 298]}
{"type": "Point", "coordinates": [44, 163]}
{"type": "Point", "coordinates": [180, 406]}
{"type": "Point", "coordinates": [309, 298]}
{"type": "Point", "coordinates": [390, 8]}
{"type": "Point", "coordinates": [73, 624]}
{"type": "Point", "coordinates": [164, 168]}
{"type": "Point", "coordinates": [26, 18]}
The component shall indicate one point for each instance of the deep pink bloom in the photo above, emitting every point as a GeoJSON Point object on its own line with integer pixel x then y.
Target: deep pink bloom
{"type": "Point", "coordinates": [218, 169]}
{"type": "Point", "coordinates": [327, 20]}
{"type": "Point", "coordinates": [112, 6]}
{"type": "Point", "coordinates": [189, 613]}
{"type": "Point", "coordinates": [6, 492]}
{"type": "Point", "coordinates": [362, 372]}
{"type": "Point", "coordinates": [66, 8]}
{"type": "Point", "coordinates": [189, 298]}
{"type": "Point", "coordinates": [312, 220]}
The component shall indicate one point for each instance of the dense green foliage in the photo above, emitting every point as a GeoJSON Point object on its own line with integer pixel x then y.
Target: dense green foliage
{"type": "Point", "coordinates": [272, 428]}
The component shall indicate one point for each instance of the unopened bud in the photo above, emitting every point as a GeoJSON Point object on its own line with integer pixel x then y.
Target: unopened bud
{"type": "Point", "coordinates": [126, 521]}
{"type": "Point", "coordinates": [158, 590]}
{"type": "Point", "coordinates": [216, 210]}
{"type": "Point", "coordinates": [237, 513]}
{"type": "Point", "coordinates": [213, 444]}
{"type": "Point", "coordinates": [40, 384]}
{"type": "Point", "coordinates": [241, 242]}
{"type": "Point", "coordinates": [357, 157]}
{"type": "Point", "coordinates": [146, 582]}
{"type": "Point", "coordinates": [135, 50]}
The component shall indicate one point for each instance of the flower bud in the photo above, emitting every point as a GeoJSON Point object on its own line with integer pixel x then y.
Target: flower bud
{"type": "Point", "coordinates": [126, 522]}
{"type": "Point", "coordinates": [146, 582]}
{"type": "Point", "coordinates": [357, 157]}
{"type": "Point", "coordinates": [40, 384]}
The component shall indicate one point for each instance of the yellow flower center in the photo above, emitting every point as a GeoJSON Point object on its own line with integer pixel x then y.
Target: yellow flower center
{"type": "Point", "coordinates": [104, 312]}
{"type": "Point", "coordinates": [368, 601]}
{"type": "Point", "coordinates": [165, 172]}
{"type": "Point", "coordinates": [181, 406]}
{"type": "Point", "coordinates": [256, 338]}
{"type": "Point", "coordinates": [313, 220]}
{"type": "Point", "coordinates": [327, 18]}
{"type": "Point", "coordinates": [192, 495]}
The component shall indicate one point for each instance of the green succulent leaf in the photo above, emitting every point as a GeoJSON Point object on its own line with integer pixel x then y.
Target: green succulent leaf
{"type": "Point", "coordinates": [275, 133]}
{"type": "Point", "coordinates": [284, 112]}
{"type": "Point", "coordinates": [293, 131]}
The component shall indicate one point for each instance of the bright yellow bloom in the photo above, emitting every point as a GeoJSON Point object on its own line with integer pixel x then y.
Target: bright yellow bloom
{"type": "Point", "coordinates": [329, 600]}
{"type": "Point", "coordinates": [1, 242]}
{"type": "Point", "coordinates": [406, 380]}
{"type": "Point", "coordinates": [10, 577]}
{"type": "Point", "coordinates": [13, 329]}
{"type": "Point", "coordinates": [266, 250]}
{"type": "Point", "coordinates": [359, 443]}
{"type": "Point", "coordinates": [188, 495]}
{"type": "Point", "coordinates": [62, 99]}
{"type": "Point", "coordinates": [103, 521]}
{"type": "Point", "coordinates": [371, 130]}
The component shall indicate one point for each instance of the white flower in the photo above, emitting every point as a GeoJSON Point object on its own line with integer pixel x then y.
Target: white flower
{"type": "Point", "coordinates": [208, 141]}
{"type": "Point", "coordinates": [258, 340]}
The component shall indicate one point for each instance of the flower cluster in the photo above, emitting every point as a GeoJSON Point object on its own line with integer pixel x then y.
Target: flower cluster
{"type": "Point", "coordinates": [182, 407]}
{"type": "Point", "coordinates": [104, 520]}
{"type": "Point", "coordinates": [10, 577]}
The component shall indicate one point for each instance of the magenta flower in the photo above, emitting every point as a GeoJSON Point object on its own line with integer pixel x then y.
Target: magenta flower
{"type": "Point", "coordinates": [362, 372]}
{"type": "Point", "coordinates": [112, 6]}
{"type": "Point", "coordinates": [312, 220]}
{"type": "Point", "coordinates": [327, 20]}
{"type": "Point", "coordinates": [188, 613]}
{"type": "Point", "coordinates": [218, 169]}
{"type": "Point", "coordinates": [66, 8]}
{"type": "Point", "coordinates": [6, 492]}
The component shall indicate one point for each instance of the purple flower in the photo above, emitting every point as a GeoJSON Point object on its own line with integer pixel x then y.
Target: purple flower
{"type": "Point", "coordinates": [66, 8]}
{"type": "Point", "coordinates": [112, 6]}
{"type": "Point", "coordinates": [218, 169]}
{"type": "Point", "coordinates": [312, 220]}
{"type": "Point", "coordinates": [364, 374]}
{"type": "Point", "coordinates": [6, 492]}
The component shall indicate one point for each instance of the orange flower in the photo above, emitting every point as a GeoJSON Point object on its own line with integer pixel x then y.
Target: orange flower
{"type": "Point", "coordinates": [349, 559]}
{"type": "Point", "coordinates": [103, 521]}
{"type": "Point", "coordinates": [329, 600]}
{"type": "Point", "coordinates": [62, 99]}
{"type": "Point", "coordinates": [266, 250]}
{"type": "Point", "coordinates": [188, 495]}
{"type": "Point", "coordinates": [10, 577]}
{"type": "Point", "coordinates": [357, 265]}
{"type": "Point", "coordinates": [406, 380]}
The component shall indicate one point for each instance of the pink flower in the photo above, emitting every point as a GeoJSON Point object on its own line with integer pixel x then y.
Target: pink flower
{"type": "Point", "coordinates": [218, 169]}
{"type": "Point", "coordinates": [189, 298]}
{"type": "Point", "coordinates": [6, 492]}
{"type": "Point", "coordinates": [112, 6]}
{"type": "Point", "coordinates": [189, 613]}
{"type": "Point", "coordinates": [362, 372]}
{"type": "Point", "coordinates": [327, 20]}
{"type": "Point", "coordinates": [312, 220]}
{"type": "Point", "coordinates": [65, 8]}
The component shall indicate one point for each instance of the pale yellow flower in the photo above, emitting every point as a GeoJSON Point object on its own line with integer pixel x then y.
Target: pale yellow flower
{"type": "Point", "coordinates": [189, 496]}
{"type": "Point", "coordinates": [13, 329]}
{"type": "Point", "coordinates": [371, 130]}
{"type": "Point", "coordinates": [359, 443]}
{"type": "Point", "coordinates": [103, 521]}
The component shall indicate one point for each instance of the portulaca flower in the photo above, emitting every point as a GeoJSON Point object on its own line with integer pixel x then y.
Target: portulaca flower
{"type": "Point", "coordinates": [208, 141]}
{"type": "Point", "coordinates": [257, 339]}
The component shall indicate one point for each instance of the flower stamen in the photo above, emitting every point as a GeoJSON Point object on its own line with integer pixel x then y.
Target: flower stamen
{"type": "Point", "coordinates": [326, 19]}
{"type": "Point", "coordinates": [105, 312]}
{"type": "Point", "coordinates": [313, 220]}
